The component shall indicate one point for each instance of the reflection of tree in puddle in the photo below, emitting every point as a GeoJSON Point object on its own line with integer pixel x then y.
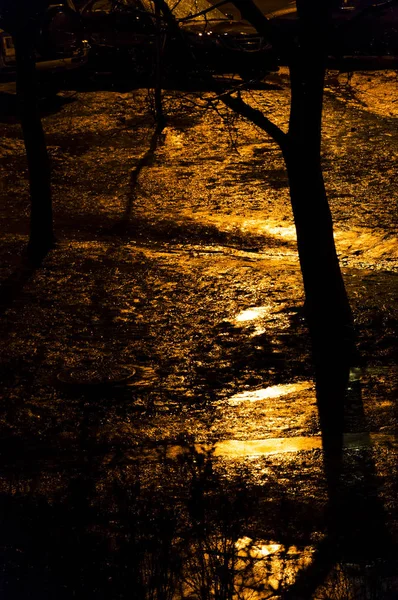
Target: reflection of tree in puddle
{"type": "Point", "coordinates": [216, 559]}
{"type": "Point", "coordinates": [242, 569]}
{"type": "Point", "coordinates": [202, 536]}
{"type": "Point", "coordinates": [164, 526]}
{"type": "Point", "coordinates": [197, 521]}
{"type": "Point", "coordinates": [197, 530]}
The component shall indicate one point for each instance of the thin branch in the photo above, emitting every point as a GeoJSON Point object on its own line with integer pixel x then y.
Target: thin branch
{"type": "Point", "coordinates": [234, 103]}
{"type": "Point", "coordinates": [250, 11]}
{"type": "Point", "coordinates": [254, 115]}
{"type": "Point", "coordinates": [203, 12]}
{"type": "Point", "coordinates": [175, 5]}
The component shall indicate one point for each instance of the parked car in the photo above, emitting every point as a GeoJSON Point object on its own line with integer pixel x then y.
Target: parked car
{"type": "Point", "coordinates": [123, 33]}
{"type": "Point", "coordinates": [364, 32]}
{"type": "Point", "coordinates": [59, 48]}
{"type": "Point", "coordinates": [122, 29]}
{"type": "Point", "coordinates": [366, 35]}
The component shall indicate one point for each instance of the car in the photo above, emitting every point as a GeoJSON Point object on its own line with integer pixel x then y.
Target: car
{"type": "Point", "coordinates": [119, 30]}
{"type": "Point", "coordinates": [123, 36]}
{"type": "Point", "coordinates": [59, 48]}
{"type": "Point", "coordinates": [364, 33]}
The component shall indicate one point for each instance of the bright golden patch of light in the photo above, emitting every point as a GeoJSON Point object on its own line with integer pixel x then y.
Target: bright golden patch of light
{"type": "Point", "coordinates": [251, 314]}
{"type": "Point", "coordinates": [367, 247]}
{"type": "Point", "coordinates": [274, 391]}
{"type": "Point", "coordinates": [254, 313]}
{"type": "Point", "coordinates": [259, 568]}
{"type": "Point", "coordinates": [288, 233]}
{"type": "Point", "coordinates": [271, 567]}
{"type": "Point", "coordinates": [247, 547]}
{"type": "Point", "coordinates": [235, 449]}
{"type": "Point", "coordinates": [240, 448]}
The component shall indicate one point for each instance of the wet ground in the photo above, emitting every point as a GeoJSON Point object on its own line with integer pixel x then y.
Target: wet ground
{"type": "Point", "coordinates": [159, 429]}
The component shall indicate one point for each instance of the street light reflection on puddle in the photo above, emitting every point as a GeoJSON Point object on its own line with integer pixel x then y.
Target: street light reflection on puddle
{"type": "Point", "coordinates": [274, 391]}
{"type": "Point", "coordinates": [253, 313]}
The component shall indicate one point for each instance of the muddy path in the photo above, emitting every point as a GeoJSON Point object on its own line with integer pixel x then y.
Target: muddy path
{"type": "Point", "coordinates": [158, 400]}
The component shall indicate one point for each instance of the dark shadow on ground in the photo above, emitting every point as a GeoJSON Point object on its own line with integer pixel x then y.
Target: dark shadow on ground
{"type": "Point", "coordinates": [47, 106]}
{"type": "Point", "coordinates": [109, 532]}
{"type": "Point", "coordinates": [115, 79]}
{"type": "Point", "coordinates": [88, 519]}
{"type": "Point", "coordinates": [145, 161]}
{"type": "Point", "coordinates": [356, 530]}
{"type": "Point", "coordinates": [11, 288]}
{"type": "Point", "coordinates": [269, 358]}
{"type": "Point", "coordinates": [170, 231]}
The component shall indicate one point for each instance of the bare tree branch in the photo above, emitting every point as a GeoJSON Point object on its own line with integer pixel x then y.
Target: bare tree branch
{"type": "Point", "coordinates": [252, 114]}
{"type": "Point", "coordinates": [250, 11]}
{"type": "Point", "coordinates": [235, 103]}
{"type": "Point", "coordinates": [203, 12]}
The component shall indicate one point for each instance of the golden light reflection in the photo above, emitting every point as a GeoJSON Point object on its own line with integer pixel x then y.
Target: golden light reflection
{"type": "Point", "coordinates": [240, 448]}
{"type": "Point", "coordinates": [235, 449]}
{"type": "Point", "coordinates": [273, 566]}
{"type": "Point", "coordinates": [288, 233]}
{"type": "Point", "coordinates": [274, 391]}
{"type": "Point", "coordinates": [367, 247]}
{"type": "Point", "coordinates": [272, 229]}
{"type": "Point", "coordinates": [247, 547]}
{"type": "Point", "coordinates": [257, 568]}
{"type": "Point", "coordinates": [253, 313]}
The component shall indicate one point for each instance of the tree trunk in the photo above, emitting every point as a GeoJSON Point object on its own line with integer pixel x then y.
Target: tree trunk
{"type": "Point", "coordinates": [41, 221]}
{"type": "Point", "coordinates": [327, 304]}
{"type": "Point", "coordinates": [160, 118]}
{"type": "Point", "coordinates": [327, 307]}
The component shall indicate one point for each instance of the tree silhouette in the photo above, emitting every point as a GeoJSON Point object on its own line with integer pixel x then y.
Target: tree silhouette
{"type": "Point", "coordinates": [327, 307]}
{"type": "Point", "coordinates": [21, 18]}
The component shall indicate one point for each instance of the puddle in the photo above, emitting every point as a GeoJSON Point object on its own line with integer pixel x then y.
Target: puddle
{"type": "Point", "coordinates": [251, 314]}
{"type": "Point", "coordinates": [274, 391]}
{"type": "Point", "coordinates": [264, 447]}
{"type": "Point", "coordinates": [273, 565]}
{"type": "Point", "coordinates": [250, 569]}
{"type": "Point", "coordinates": [248, 448]}
{"type": "Point", "coordinates": [362, 247]}
{"type": "Point", "coordinates": [256, 316]}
